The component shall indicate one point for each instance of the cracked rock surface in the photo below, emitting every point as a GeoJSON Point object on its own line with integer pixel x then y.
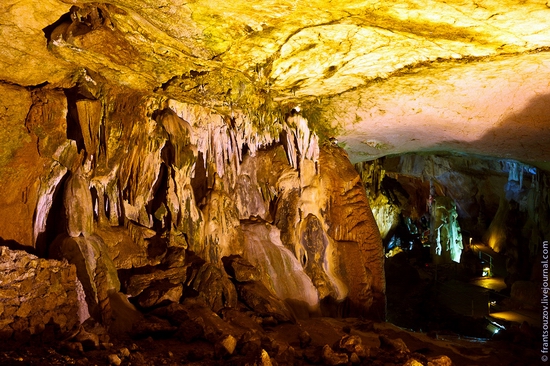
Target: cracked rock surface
{"type": "Point", "coordinates": [383, 77]}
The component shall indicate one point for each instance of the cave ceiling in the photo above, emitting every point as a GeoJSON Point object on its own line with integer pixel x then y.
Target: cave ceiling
{"type": "Point", "coordinates": [383, 77]}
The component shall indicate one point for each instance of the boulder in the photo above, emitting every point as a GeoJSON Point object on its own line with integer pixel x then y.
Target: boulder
{"type": "Point", "coordinates": [39, 296]}
{"type": "Point", "coordinates": [240, 269]}
{"type": "Point", "coordinates": [214, 287]}
{"type": "Point", "coordinates": [353, 344]}
{"type": "Point", "coordinates": [137, 283]}
{"type": "Point", "coordinates": [440, 361]}
{"type": "Point", "coordinates": [225, 346]}
{"type": "Point", "coordinates": [334, 358]}
{"type": "Point", "coordinates": [159, 293]}
{"type": "Point", "coordinates": [258, 298]}
{"type": "Point", "coordinates": [89, 340]}
{"type": "Point", "coordinates": [396, 345]}
{"type": "Point", "coordinates": [412, 362]}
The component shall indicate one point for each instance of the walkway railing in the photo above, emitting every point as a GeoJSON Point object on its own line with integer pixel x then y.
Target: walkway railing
{"type": "Point", "coordinates": [487, 258]}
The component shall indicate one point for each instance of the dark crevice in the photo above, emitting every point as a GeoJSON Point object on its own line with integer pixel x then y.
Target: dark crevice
{"type": "Point", "coordinates": [37, 86]}
{"type": "Point", "coordinates": [15, 245]}
{"type": "Point", "coordinates": [95, 203]}
{"type": "Point", "coordinates": [157, 246]}
{"type": "Point", "coordinates": [108, 206]}
{"type": "Point", "coordinates": [74, 131]}
{"type": "Point", "coordinates": [199, 181]}
{"type": "Point", "coordinates": [159, 199]}
{"type": "Point", "coordinates": [56, 223]}
{"type": "Point", "coordinates": [48, 31]}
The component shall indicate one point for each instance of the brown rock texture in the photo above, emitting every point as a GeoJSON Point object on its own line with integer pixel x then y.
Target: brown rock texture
{"type": "Point", "coordinates": [163, 191]}
{"type": "Point", "coordinates": [38, 296]}
{"type": "Point", "coordinates": [146, 142]}
{"type": "Point", "coordinates": [351, 219]}
{"type": "Point", "coordinates": [146, 169]}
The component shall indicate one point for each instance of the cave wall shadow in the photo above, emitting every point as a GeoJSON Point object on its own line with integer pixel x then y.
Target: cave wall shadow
{"type": "Point", "coordinates": [523, 135]}
{"type": "Point", "coordinates": [15, 245]}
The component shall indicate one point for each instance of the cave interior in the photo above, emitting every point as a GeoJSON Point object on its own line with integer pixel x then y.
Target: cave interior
{"type": "Point", "coordinates": [274, 182]}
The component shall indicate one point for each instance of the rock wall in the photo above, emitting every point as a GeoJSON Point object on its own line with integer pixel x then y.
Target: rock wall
{"type": "Point", "coordinates": [148, 196]}
{"type": "Point", "coordinates": [38, 297]}
{"type": "Point", "coordinates": [500, 202]}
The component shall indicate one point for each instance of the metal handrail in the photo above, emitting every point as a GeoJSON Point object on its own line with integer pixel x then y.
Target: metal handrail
{"type": "Point", "coordinates": [484, 257]}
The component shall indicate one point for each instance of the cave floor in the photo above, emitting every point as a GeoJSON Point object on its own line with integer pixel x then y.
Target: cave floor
{"type": "Point", "coordinates": [519, 316]}
{"type": "Point", "coordinates": [490, 283]}
{"type": "Point", "coordinates": [286, 349]}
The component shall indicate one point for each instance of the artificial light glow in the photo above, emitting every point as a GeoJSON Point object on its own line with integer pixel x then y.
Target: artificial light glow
{"type": "Point", "coordinates": [393, 252]}
{"type": "Point", "coordinates": [494, 327]}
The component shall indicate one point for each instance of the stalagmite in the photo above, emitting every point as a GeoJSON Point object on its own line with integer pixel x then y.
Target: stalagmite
{"type": "Point", "coordinates": [281, 271]}
{"type": "Point", "coordinates": [78, 206]}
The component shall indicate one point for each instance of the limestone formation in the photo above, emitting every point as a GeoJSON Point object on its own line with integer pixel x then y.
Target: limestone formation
{"type": "Point", "coordinates": [171, 163]}
{"type": "Point", "coordinates": [39, 297]}
{"type": "Point", "coordinates": [447, 236]}
{"type": "Point", "coordinates": [162, 192]}
{"type": "Point", "coordinates": [450, 201]}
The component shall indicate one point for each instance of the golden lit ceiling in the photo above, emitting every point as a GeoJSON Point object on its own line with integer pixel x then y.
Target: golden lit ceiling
{"type": "Point", "coordinates": [386, 77]}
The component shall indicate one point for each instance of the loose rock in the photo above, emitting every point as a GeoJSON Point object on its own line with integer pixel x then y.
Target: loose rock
{"type": "Point", "coordinates": [124, 352]}
{"type": "Point", "coordinates": [305, 339]}
{"type": "Point", "coordinates": [393, 344]}
{"type": "Point", "coordinates": [114, 360]}
{"type": "Point", "coordinates": [332, 358]}
{"type": "Point", "coordinates": [412, 362]}
{"type": "Point", "coordinates": [440, 361]}
{"type": "Point", "coordinates": [89, 340]}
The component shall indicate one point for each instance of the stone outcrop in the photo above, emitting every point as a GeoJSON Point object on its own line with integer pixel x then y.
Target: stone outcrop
{"type": "Point", "coordinates": [154, 200]}
{"type": "Point", "coordinates": [453, 200]}
{"type": "Point", "coordinates": [189, 151]}
{"type": "Point", "coordinates": [39, 297]}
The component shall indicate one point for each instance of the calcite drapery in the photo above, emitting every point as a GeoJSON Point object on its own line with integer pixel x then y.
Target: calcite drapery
{"type": "Point", "coordinates": [279, 268]}
{"type": "Point", "coordinates": [500, 202]}
{"type": "Point", "coordinates": [447, 237]}
{"type": "Point", "coordinates": [145, 187]}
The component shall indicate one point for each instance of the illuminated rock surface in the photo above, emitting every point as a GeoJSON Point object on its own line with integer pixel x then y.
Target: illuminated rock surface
{"type": "Point", "coordinates": [39, 297]}
{"type": "Point", "coordinates": [151, 200]}
{"type": "Point", "coordinates": [391, 77]}
{"type": "Point", "coordinates": [147, 142]}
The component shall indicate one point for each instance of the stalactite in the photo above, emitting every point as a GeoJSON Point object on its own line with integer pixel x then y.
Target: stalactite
{"type": "Point", "coordinates": [223, 146]}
